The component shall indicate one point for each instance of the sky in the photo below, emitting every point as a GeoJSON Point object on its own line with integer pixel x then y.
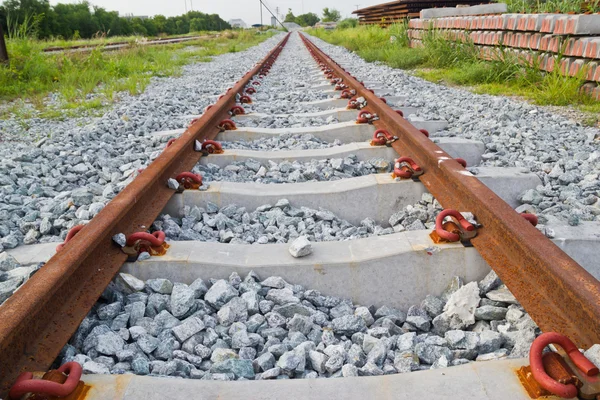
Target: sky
{"type": "Point", "coordinates": [248, 10]}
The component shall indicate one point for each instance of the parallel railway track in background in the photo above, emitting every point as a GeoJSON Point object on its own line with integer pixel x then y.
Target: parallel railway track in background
{"type": "Point", "coordinates": [112, 46]}
{"type": "Point", "coordinates": [559, 294]}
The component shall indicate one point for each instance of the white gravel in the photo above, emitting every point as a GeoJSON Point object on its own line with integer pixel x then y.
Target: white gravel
{"type": "Point", "coordinates": [258, 329]}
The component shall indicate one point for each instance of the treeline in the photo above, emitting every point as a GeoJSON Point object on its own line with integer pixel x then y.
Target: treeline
{"type": "Point", "coordinates": [81, 20]}
{"type": "Point", "coordinates": [309, 19]}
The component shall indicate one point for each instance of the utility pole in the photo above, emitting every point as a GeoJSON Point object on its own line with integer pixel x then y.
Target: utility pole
{"type": "Point", "coordinates": [191, 6]}
{"type": "Point", "coordinates": [3, 51]}
{"type": "Point", "coordinates": [263, 4]}
{"type": "Point", "coordinates": [185, 3]}
{"type": "Point", "coordinates": [302, 6]}
{"type": "Point", "coordinates": [357, 5]}
{"type": "Point", "coordinates": [261, 20]}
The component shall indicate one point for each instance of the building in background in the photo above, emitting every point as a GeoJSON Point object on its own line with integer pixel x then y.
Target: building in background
{"type": "Point", "coordinates": [237, 23]}
{"type": "Point", "coordinates": [131, 16]}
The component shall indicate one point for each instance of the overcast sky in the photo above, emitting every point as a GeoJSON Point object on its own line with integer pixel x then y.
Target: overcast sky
{"type": "Point", "coordinates": [248, 10]}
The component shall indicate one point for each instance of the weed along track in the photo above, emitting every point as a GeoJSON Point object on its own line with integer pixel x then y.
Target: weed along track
{"type": "Point", "coordinates": [307, 225]}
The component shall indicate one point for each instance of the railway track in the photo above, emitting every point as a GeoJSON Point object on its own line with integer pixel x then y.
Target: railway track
{"type": "Point", "coordinates": [112, 46]}
{"type": "Point", "coordinates": [383, 265]}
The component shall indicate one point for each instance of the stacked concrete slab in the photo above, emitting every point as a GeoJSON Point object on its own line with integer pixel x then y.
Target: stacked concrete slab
{"type": "Point", "coordinates": [547, 41]}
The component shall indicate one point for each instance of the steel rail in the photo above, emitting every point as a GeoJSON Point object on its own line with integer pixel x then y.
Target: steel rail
{"type": "Point", "coordinates": [39, 318]}
{"type": "Point", "coordinates": [110, 46]}
{"type": "Point", "coordinates": [557, 292]}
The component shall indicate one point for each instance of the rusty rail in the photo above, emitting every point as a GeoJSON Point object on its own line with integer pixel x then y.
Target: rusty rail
{"type": "Point", "coordinates": [557, 292]}
{"type": "Point", "coordinates": [42, 315]}
{"type": "Point", "coordinates": [109, 46]}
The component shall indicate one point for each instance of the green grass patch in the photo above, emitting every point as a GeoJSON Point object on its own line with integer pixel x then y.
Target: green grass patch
{"type": "Point", "coordinates": [33, 74]}
{"type": "Point", "coordinates": [443, 61]}
{"type": "Point", "coordinates": [552, 6]}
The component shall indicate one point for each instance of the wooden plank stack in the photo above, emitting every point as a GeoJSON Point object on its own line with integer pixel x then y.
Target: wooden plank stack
{"type": "Point", "coordinates": [395, 11]}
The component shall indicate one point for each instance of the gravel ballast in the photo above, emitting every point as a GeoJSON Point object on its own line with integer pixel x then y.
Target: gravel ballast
{"type": "Point", "coordinates": [285, 141]}
{"type": "Point", "coordinates": [284, 222]}
{"type": "Point", "coordinates": [281, 222]}
{"type": "Point", "coordinates": [292, 172]}
{"type": "Point", "coordinates": [254, 329]}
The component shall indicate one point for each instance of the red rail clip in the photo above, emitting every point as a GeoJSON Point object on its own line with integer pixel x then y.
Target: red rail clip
{"type": "Point", "coordinates": [406, 168]}
{"type": "Point", "coordinates": [532, 218]}
{"type": "Point", "coordinates": [346, 94]}
{"type": "Point", "coordinates": [537, 366]}
{"type": "Point", "coordinates": [189, 180]}
{"type": "Point", "coordinates": [465, 231]}
{"type": "Point", "coordinates": [212, 147]}
{"type": "Point", "coordinates": [237, 110]}
{"type": "Point", "coordinates": [245, 99]}
{"type": "Point", "coordinates": [382, 137]}
{"type": "Point", "coordinates": [72, 232]}
{"type": "Point", "coordinates": [153, 243]}
{"type": "Point", "coordinates": [365, 117]}
{"type": "Point", "coordinates": [26, 384]}
{"type": "Point", "coordinates": [461, 161]}
{"type": "Point", "coordinates": [227, 125]}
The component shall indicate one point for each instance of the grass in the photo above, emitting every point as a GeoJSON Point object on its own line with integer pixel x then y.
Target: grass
{"type": "Point", "coordinates": [552, 6]}
{"type": "Point", "coordinates": [32, 75]}
{"type": "Point", "coordinates": [443, 61]}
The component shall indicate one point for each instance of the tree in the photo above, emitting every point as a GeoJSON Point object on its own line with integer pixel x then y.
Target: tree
{"type": "Point", "coordinates": [308, 19]}
{"type": "Point", "coordinates": [104, 19]}
{"type": "Point", "coordinates": [150, 26]}
{"type": "Point", "coordinates": [82, 20]}
{"type": "Point", "coordinates": [39, 11]}
{"type": "Point", "coordinates": [196, 24]}
{"type": "Point", "coordinates": [160, 21]}
{"type": "Point", "coordinates": [332, 15]}
{"type": "Point", "coordinates": [138, 26]}
{"type": "Point", "coordinates": [3, 51]}
{"type": "Point", "coordinates": [120, 27]}
{"type": "Point", "coordinates": [289, 17]}
{"type": "Point", "coordinates": [74, 17]}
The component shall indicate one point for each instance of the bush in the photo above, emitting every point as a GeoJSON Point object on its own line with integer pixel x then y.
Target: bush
{"type": "Point", "coordinates": [347, 23]}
